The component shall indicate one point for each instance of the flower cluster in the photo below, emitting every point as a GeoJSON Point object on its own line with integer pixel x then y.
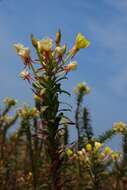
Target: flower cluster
{"type": "Point", "coordinates": [96, 150]}
{"type": "Point", "coordinates": [9, 101]}
{"type": "Point", "coordinates": [6, 119]}
{"type": "Point", "coordinates": [46, 52]}
{"type": "Point", "coordinates": [119, 127]}
{"type": "Point", "coordinates": [82, 88]}
{"type": "Point", "coordinates": [27, 112]}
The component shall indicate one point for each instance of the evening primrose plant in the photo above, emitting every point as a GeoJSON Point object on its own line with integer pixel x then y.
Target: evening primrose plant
{"type": "Point", "coordinates": [45, 74]}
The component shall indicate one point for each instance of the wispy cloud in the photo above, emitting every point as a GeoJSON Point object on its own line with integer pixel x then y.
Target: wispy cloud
{"type": "Point", "coordinates": [111, 36]}
{"type": "Point", "coordinates": [118, 83]}
{"type": "Point", "coordinates": [119, 4]}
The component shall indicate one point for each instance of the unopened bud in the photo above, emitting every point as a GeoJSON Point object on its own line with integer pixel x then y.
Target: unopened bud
{"type": "Point", "coordinates": [58, 38]}
{"type": "Point", "coordinates": [34, 41]}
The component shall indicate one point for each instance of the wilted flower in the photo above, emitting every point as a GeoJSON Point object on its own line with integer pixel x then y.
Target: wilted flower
{"type": "Point", "coordinates": [24, 53]}
{"type": "Point", "coordinates": [6, 119]}
{"type": "Point", "coordinates": [83, 151]}
{"type": "Point", "coordinates": [70, 67]}
{"type": "Point", "coordinates": [119, 127]}
{"type": "Point", "coordinates": [18, 47]}
{"type": "Point", "coordinates": [9, 101]}
{"type": "Point", "coordinates": [25, 75]}
{"type": "Point", "coordinates": [97, 145]}
{"type": "Point", "coordinates": [45, 44]}
{"type": "Point", "coordinates": [60, 50]}
{"type": "Point", "coordinates": [81, 155]}
{"type": "Point", "coordinates": [34, 112]}
{"type": "Point", "coordinates": [82, 88]}
{"type": "Point", "coordinates": [27, 112]}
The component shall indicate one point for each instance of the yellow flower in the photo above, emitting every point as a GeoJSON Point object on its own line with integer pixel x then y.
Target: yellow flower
{"type": "Point", "coordinates": [6, 119]}
{"type": "Point", "coordinates": [81, 42]}
{"type": "Point", "coordinates": [69, 152]}
{"type": "Point", "coordinates": [82, 87]}
{"type": "Point", "coordinates": [97, 145]}
{"type": "Point", "coordinates": [70, 67]}
{"type": "Point", "coordinates": [45, 44]}
{"type": "Point", "coordinates": [107, 151]}
{"type": "Point", "coordinates": [30, 173]}
{"type": "Point", "coordinates": [89, 147]}
{"type": "Point", "coordinates": [27, 112]}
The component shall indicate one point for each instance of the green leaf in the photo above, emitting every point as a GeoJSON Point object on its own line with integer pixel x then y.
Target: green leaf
{"type": "Point", "coordinates": [65, 92]}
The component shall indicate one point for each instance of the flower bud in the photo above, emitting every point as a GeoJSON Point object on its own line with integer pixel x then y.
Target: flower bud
{"type": "Point", "coordinates": [9, 101]}
{"type": "Point", "coordinates": [89, 147]}
{"type": "Point", "coordinates": [69, 152]}
{"type": "Point", "coordinates": [119, 127]}
{"type": "Point", "coordinates": [71, 67]}
{"type": "Point", "coordinates": [34, 112]}
{"type": "Point", "coordinates": [82, 88]}
{"type": "Point", "coordinates": [34, 41]}
{"type": "Point", "coordinates": [107, 151]}
{"type": "Point", "coordinates": [58, 38]}
{"type": "Point", "coordinates": [97, 145]}
{"type": "Point", "coordinates": [37, 98]}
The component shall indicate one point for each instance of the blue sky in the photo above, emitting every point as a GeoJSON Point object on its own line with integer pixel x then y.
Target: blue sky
{"type": "Point", "coordinates": [103, 65]}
